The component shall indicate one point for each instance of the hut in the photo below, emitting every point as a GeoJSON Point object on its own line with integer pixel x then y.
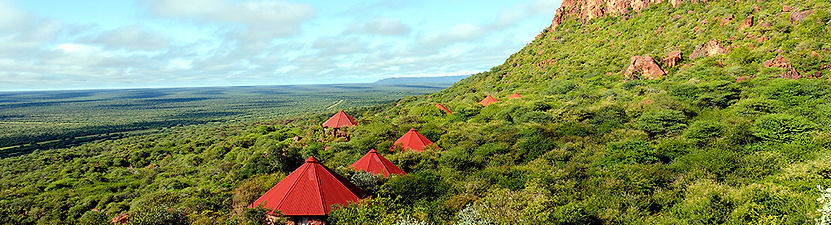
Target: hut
{"type": "Point", "coordinates": [515, 95]}
{"type": "Point", "coordinates": [488, 100]}
{"type": "Point", "coordinates": [339, 121]}
{"type": "Point", "coordinates": [306, 195]}
{"type": "Point", "coordinates": [442, 108]}
{"type": "Point", "coordinates": [376, 164]}
{"type": "Point", "coordinates": [412, 140]}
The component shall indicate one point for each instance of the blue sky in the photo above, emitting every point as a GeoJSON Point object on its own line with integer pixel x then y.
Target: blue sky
{"type": "Point", "coordinates": [91, 44]}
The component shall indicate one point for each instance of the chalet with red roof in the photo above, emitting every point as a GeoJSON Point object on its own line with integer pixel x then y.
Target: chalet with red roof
{"type": "Point", "coordinates": [376, 164]}
{"type": "Point", "coordinates": [442, 108]}
{"type": "Point", "coordinates": [306, 195]}
{"type": "Point", "coordinates": [339, 121]}
{"type": "Point", "coordinates": [413, 141]}
{"type": "Point", "coordinates": [488, 100]}
{"type": "Point", "coordinates": [515, 95]}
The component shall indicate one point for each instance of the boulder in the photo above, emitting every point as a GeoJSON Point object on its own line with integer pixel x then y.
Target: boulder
{"type": "Point", "coordinates": [781, 62]}
{"type": "Point", "coordinates": [120, 219]}
{"type": "Point", "coordinates": [748, 22]}
{"type": "Point", "coordinates": [672, 59]}
{"type": "Point", "coordinates": [727, 19]}
{"type": "Point", "coordinates": [786, 8]}
{"type": "Point", "coordinates": [646, 66]}
{"type": "Point", "coordinates": [800, 15]}
{"type": "Point", "coordinates": [712, 48]}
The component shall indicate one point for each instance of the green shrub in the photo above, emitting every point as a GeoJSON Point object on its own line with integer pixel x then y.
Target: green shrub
{"type": "Point", "coordinates": [471, 216]}
{"type": "Point", "coordinates": [663, 121]}
{"type": "Point", "coordinates": [560, 87]}
{"type": "Point", "coordinates": [574, 213]}
{"type": "Point", "coordinates": [703, 130]}
{"type": "Point", "coordinates": [94, 218]}
{"type": "Point", "coordinates": [370, 211]}
{"type": "Point", "coordinates": [157, 215]}
{"type": "Point", "coordinates": [415, 187]}
{"type": "Point", "coordinates": [782, 128]}
{"type": "Point", "coordinates": [629, 152]}
{"type": "Point", "coordinates": [368, 182]}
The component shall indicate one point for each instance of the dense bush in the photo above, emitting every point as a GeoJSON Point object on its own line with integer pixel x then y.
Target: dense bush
{"type": "Point", "coordinates": [782, 128]}
{"type": "Point", "coordinates": [662, 121]}
{"type": "Point", "coordinates": [716, 140]}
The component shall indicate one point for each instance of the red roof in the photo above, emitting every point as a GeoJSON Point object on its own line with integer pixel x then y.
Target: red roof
{"type": "Point", "coordinates": [310, 190]}
{"type": "Point", "coordinates": [340, 119]}
{"type": "Point", "coordinates": [488, 100]}
{"type": "Point", "coordinates": [375, 163]}
{"type": "Point", "coordinates": [412, 140]}
{"type": "Point", "coordinates": [515, 95]}
{"type": "Point", "coordinates": [443, 108]}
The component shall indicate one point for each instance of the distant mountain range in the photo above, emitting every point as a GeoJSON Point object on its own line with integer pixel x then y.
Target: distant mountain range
{"type": "Point", "coordinates": [421, 80]}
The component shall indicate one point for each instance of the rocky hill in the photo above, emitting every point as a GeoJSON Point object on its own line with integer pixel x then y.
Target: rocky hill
{"type": "Point", "coordinates": [632, 112]}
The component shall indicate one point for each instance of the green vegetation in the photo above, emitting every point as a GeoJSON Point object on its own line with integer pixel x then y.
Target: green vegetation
{"type": "Point", "coordinates": [583, 146]}
{"type": "Point", "coordinates": [59, 119]}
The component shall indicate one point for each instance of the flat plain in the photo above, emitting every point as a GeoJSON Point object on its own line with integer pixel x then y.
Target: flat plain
{"type": "Point", "coordinates": [56, 119]}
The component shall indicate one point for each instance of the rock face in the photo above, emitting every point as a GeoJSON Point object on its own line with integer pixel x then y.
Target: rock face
{"type": "Point", "coordinates": [712, 48]}
{"type": "Point", "coordinates": [781, 62]}
{"type": "Point", "coordinates": [672, 59]}
{"type": "Point", "coordinates": [748, 22]}
{"type": "Point", "coordinates": [586, 10]}
{"type": "Point", "coordinates": [644, 65]}
{"type": "Point", "coordinates": [727, 19]}
{"type": "Point", "coordinates": [800, 15]}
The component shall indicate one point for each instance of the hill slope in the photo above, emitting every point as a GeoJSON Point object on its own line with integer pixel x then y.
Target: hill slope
{"type": "Point", "coordinates": [722, 137]}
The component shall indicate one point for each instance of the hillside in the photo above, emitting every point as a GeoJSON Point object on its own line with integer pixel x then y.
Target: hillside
{"type": "Point", "coordinates": [732, 131]}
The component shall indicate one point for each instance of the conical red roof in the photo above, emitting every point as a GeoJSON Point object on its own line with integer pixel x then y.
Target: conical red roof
{"type": "Point", "coordinates": [375, 163]}
{"type": "Point", "coordinates": [310, 190]}
{"type": "Point", "coordinates": [488, 100]}
{"type": "Point", "coordinates": [340, 119]}
{"type": "Point", "coordinates": [412, 140]}
{"type": "Point", "coordinates": [515, 95]}
{"type": "Point", "coordinates": [440, 106]}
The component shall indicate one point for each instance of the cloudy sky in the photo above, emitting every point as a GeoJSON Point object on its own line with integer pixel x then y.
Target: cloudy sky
{"type": "Point", "coordinates": [83, 44]}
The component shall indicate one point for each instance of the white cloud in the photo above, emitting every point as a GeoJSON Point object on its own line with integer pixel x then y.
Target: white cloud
{"type": "Point", "coordinates": [132, 38]}
{"type": "Point", "coordinates": [262, 19]}
{"type": "Point", "coordinates": [10, 17]}
{"type": "Point", "coordinates": [381, 26]}
{"type": "Point", "coordinates": [457, 33]}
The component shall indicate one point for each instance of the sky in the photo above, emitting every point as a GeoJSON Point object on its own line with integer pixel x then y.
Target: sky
{"type": "Point", "coordinates": [94, 44]}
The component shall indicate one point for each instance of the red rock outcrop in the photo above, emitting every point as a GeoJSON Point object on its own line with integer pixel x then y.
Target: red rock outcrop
{"type": "Point", "coordinates": [727, 20]}
{"type": "Point", "coordinates": [786, 8]}
{"type": "Point", "coordinates": [646, 66]}
{"type": "Point", "coordinates": [748, 22]}
{"type": "Point", "coordinates": [120, 219]}
{"type": "Point", "coordinates": [800, 15]}
{"type": "Point", "coordinates": [672, 59]}
{"type": "Point", "coordinates": [781, 62]}
{"type": "Point", "coordinates": [586, 10]}
{"type": "Point", "coordinates": [712, 48]}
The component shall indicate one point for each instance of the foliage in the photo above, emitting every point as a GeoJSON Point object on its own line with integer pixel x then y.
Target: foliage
{"type": "Point", "coordinates": [825, 210]}
{"type": "Point", "coordinates": [782, 127]}
{"type": "Point", "coordinates": [470, 216]}
{"type": "Point", "coordinates": [662, 121]}
{"type": "Point", "coordinates": [407, 220]}
{"type": "Point", "coordinates": [716, 140]}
